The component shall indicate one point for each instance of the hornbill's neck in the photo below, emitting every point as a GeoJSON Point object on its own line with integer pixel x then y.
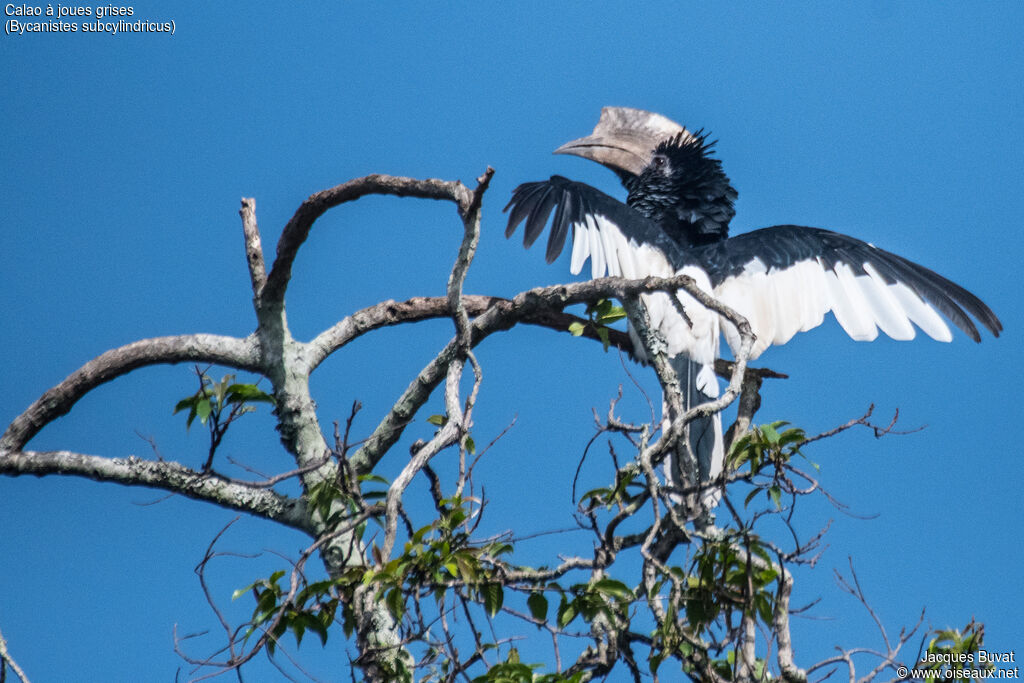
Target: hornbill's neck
{"type": "Point", "coordinates": [685, 190]}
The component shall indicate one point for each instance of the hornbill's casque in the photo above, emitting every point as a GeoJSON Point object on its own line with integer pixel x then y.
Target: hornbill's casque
{"type": "Point", "coordinates": [782, 279]}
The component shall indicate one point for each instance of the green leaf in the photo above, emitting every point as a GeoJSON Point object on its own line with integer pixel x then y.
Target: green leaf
{"type": "Point", "coordinates": [309, 622]}
{"type": "Point", "coordinates": [576, 328]}
{"type": "Point", "coordinates": [202, 409]}
{"type": "Point", "coordinates": [317, 588]}
{"type": "Point", "coordinates": [770, 435]}
{"type": "Point", "coordinates": [494, 597]}
{"type": "Point", "coordinates": [761, 552]}
{"type": "Point", "coordinates": [567, 611]}
{"type": "Point", "coordinates": [396, 603]}
{"type": "Point", "coordinates": [438, 420]}
{"type": "Point", "coordinates": [298, 628]}
{"type": "Point", "coordinates": [496, 549]}
{"type": "Point", "coordinates": [614, 588]}
{"type": "Point", "coordinates": [766, 576]}
{"type": "Point", "coordinates": [244, 393]}
{"type": "Point", "coordinates": [764, 606]}
{"type": "Point", "coordinates": [467, 566]}
{"type": "Point", "coordinates": [266, 604]}
{"type": "Point", "coordinates": [791, 436]}
{"type": "Point", "coordinates": [185, 403]}
{"type": "Point", "coordinates": [242, 591]}
{"type": "Point", "coordinates": [220, 388]}
{"type": "Point", "coordinates": [538, 605]}
{"type": "Point", "coordinates": [609, 313]}
{"type": "Point", "coordinates": [591, 604]}
{"type": "Point", "coordinates": [595, 493]}
{"type": "Point", "coordinates": [470, 445]}
{"type": "Point", "coordinates": [369, 575]}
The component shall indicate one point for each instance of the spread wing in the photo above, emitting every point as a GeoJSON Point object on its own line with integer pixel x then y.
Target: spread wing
{"type": "Point", "coordinates": [783, 279]}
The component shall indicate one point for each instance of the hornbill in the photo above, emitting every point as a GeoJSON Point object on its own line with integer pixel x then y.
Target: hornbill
{"type": "Point", "coordinates": [782, 279]}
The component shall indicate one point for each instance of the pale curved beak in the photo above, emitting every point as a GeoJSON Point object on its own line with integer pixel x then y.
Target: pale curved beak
{"type": "Point", "coordinates": [624, 139]}
{"type": "Point", "coordinates": [618, 153]}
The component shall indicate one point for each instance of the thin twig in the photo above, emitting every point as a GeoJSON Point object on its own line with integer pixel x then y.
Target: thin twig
{"type": "Point", "coordinates": [8, 660]}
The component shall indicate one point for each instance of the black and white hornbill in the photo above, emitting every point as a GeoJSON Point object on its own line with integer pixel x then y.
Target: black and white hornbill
{"type": "Point", "coordinates": [783, 279]}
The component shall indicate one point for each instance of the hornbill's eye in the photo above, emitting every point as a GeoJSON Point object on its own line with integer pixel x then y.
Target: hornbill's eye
{"type": "Point", "coordinates": [658, 161]}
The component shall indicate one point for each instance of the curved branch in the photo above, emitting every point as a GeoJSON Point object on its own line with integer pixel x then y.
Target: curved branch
{"type": "Point", "coordinates": [204, 348]}
{"type": "Point", "coordinates": [169, 476]}
{"type": "Point", "coordinates": [416, 309]}
{"type": "Point", "coordinates": [390, 312]}
{"type": "Point", "coordinates": [297, 229]}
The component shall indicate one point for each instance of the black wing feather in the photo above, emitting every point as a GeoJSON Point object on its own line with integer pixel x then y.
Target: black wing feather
{"type": "Point", "coordinates": [539, 216]}
{"type": "Point", "coordinates": [523, 199]}
{"type": "Point", "coordinates": [560, 225]}
{"type": "Point", "coordinates": [573, 202]}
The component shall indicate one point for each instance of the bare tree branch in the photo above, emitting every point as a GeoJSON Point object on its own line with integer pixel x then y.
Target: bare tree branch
{"type": "Point", "coordinates": [864, 421]}
{"type": "Point", "coordinates": [204, 348]}
{"type": "Point", "coordinates": [253, 249]}
{"type": "Point", "coordinates": [387, 313]}
{"type": "Point", "coordinates": [297, 229]}
{"type": "Point", "coordinates": [7, 660]}
{"type": "Point", "coordinates": [887, 658]}
{"type": "Point", "coordinates": [166, 475]}
{"type": "Point", "coordinates": [787, 666]}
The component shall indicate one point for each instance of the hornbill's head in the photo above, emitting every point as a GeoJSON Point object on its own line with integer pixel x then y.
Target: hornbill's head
{"type": "Point", "coordinates": [669, 172]}
{"type": "Point", "coordinates": [624, 140]}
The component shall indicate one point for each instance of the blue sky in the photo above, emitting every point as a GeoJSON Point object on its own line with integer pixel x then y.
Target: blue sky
{"type": "Point", "coordinates": [124, 158]}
